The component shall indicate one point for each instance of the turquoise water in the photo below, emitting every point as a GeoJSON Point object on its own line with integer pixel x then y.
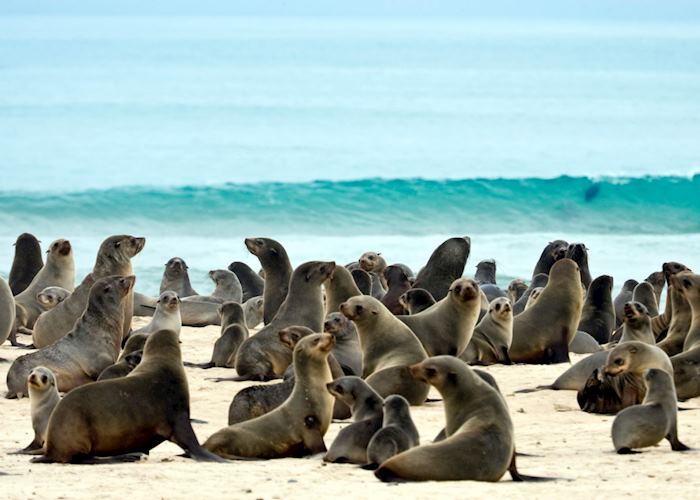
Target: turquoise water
{"type": "Point", "coordinates": [338, 136]}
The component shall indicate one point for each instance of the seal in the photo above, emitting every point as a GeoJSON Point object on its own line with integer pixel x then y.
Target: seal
{"type": "Point", "coordinates": [350, 445]}
{"type": "Point", "coordinates": [492, 336]}
{"type": "Point", "coordinates": [339, 287]}
{"type": "Point", "coordinates": [113, 259]}
{"type": "Point", "coordinates": [51, 296]}
{"type": "Point", "coordinates": [398, 284]}
{"type": "Point", "coordinates": [80, 356]}
{"type": "Point", "coordinates": [644, 293]}
{"type": "Point", "coordinates": [398, 433]}
{"type": "Point", "coordinates": [657, 280]}
{"type": "Point", "coordinates": [534, 297]}
{"type": "Point", "coordinates": [176, 278]}
{"type": "Point", "coordinates": [554, 251]}
{"type": "Point", "coordinates": [58, 271]}
{"type": "Point", "coordinates": [377, 290]}
{"type": "Point", "coordinates": [486, 278]}
{"type": "Point", "coordinates": [7, 312]}
{"type": "Point", "coordinates": [445, 265]}
{"type": "Point", "coordinates": [227, 288]}
{"type": "Point", "coordinates": [131, 414]}
{"type": "Point", "coordinates": [416, 300]}
{"type": "Point", "coordinates": [278, 271]}
{"type": "Point", "coordinates": [165, 317]}
{"type": "Point", "coordinates": [542, 333]}
{"type": "Point", "coordinates": [540, 280]}
{"type": "Point", "coordinates": [122, 367]}
{"type": "Point", "coordinates": [263, 356]}
{"type": "Point", "coordinates": [447, 327]}
{"type": "Point", "coordinates": [253, 285]}
{"type": "Point", "coordinates": [373, 262]}
{"type": "Point", "coordinates": [637, 324]}
{"type": "Point", "coordinates": [598, 315]}
{"type": "Point", "coordinates": [689, 284]}
{"type": "Point", "coordinates": [645, 425]}
{"type": "Point", "coordinates": [583, 343]}
{"type": "Point", "coordinates": [479, 442]}
{"type": "Point", "coordinates": [26, 264]}
{"type": "Point", "coordinates": [624, 296]}
{"type": "Point", "coordinates": [389, 347]}
{"type": "Point", "coordinates": [579, 254]}
{"type": "Point", "coordinates": [362, 279]}
{"type": "Point", "coordinates": [296, 428]}
{"type": "Point", "coordinates": [347, 350]}
{"type": "Point", "coordinates": [43, 398]}
{"type": "Point", "coordinates": [516, 289]}
{"type": "Point", "coordinates": [253, 309]}
{"type": "Point", "coordinates": [686, 374]}
{"type": "Point", "coordinates": [678, 315]}
{"type": "Point", "coordinates": [233, 333]}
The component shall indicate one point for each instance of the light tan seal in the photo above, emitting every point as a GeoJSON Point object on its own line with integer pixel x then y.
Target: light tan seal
{"type": "Point", "coordinates": [373, 262]}
{"type": "Point", "coordinates": [227, 288]}
{"type": "Point", "coordinates": [645, 425]}
{"type": "Point", "coordinates": [165, 317]}
{"type": "Point", "coordinates": [51, 296]}
{"type": "Point", "coordinates": [132, 414]}
{"type": "Point", "coordinates": [389, 347]}
{"type": "Point", "coordinates": [176, 278]}
{"type": "Point", "coordinates": [7, 311]}
{"type": "Point", "coordinates": [339, 287]}
{"type": "Point", "coordinates": [43, 398]}
{"type": "Point", "coordinates": [492, 336]}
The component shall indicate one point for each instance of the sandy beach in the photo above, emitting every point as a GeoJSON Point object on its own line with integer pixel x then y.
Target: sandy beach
{"type": "Point", "coordinates": [564, 442]}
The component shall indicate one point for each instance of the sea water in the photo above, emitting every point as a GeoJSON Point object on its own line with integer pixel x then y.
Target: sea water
{"type": "Point", "coordinates": [338, 136]}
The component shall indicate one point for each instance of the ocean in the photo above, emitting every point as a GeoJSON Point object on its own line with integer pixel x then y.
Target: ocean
{"type": "Point", "coordinates": [337, 136]}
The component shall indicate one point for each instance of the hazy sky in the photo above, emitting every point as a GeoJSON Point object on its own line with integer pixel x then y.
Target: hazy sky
{"type": "Point", "coordinates": [681, 10]}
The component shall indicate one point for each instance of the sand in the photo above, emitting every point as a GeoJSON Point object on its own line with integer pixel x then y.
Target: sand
{"type": "Point", "coordinates": [564, 441]}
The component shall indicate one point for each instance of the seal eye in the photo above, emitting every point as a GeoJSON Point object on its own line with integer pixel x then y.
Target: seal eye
{"type": "Point", "coordinates": [359, 309]}
{"type": "Point", "coordinates": [322, 269]}
{"type": "Point", "coordinates": [430, 372]}
{"type": "Point", "coordinates": [43, 379]}
{"type": "Point", "coordinates": [619, 361]}
{"type": "Point", "coordinates": [498, 307]}
{"type": "Point", "coordinates": [106, 289]}
{"type": "Point", "coordinates": [117, 244]}
{"type": "Point", "coordinates": [260, 242]}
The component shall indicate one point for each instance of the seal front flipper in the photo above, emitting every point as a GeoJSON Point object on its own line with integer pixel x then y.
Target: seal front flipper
{"type": "Point", "coordinates": [313, 436]}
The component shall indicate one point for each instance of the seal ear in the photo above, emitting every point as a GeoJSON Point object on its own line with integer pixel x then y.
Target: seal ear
{"type": "Point", "coordinates": [288, 338]}
{"type": "Point", "coordinates": [687, 283]}
{"type": "Point", "coordinates": [374, 311]}
{"type": "Point", "coordinates": [273, 250]}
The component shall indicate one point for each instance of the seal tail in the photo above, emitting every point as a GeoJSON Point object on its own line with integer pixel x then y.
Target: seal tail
{"type": "Point", "coordinates": [203, 366]}
{"type": "Point", "coordinates": [535, 389]}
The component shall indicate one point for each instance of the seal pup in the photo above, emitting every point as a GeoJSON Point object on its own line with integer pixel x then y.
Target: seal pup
{"type": "Point", "coordinates": [43, 398]}
{"type": "Point", "coordinates": [362, 279]}
{"type": "Point", "coordinates": [58, 271]}
{"type": "Point", "coordinates": [554, 251]}
{"type": "Point", "coordinates": [26, 263]}
{"type": "Point", "coordinates": [583, 343]}
{"type": "Point", "coordinates": [296, 428]}
{"type": "Point", "coordinates": [534, 296]}
{"type": "Point", "coordinates": [233, 333]}
{"type": "Point", "coordinates": [579, 254]}
{"type": "Point", "coordinates": [113, 259]}
{"type": "Point", "coordinates": [416, 300]}
{"type": "Point", "coordinates": [80, 356]}
{"type": "Point", "coordinates": [398, 433]}
{"type": "Point", "coordinates": [447, 327]}
{"type": "Point", "coordinates": [253, 309]}
{"type": "Point", "coordinates": [637, 323]}
{"type": "Point", "coordinates": [388, 348]}
{"type": "Point", "coordinates": [7, 312]}
{"type": "Point", "coordinates": [479, 442]}
{"type": "Point", "coordinates": [278, 272]}
{"type": "Point", "coordinates": [51, 296]}
{"type": "Point", "coordinates": [347, 350]}
{"type": "Point", "coordinates": [516, 289]}
{"type": "Point", "coordinates": [542, 333]}
{"type": "Point", "coordinates": [253, 285]}
{"type": "Point", "coordinates": [227, 288]}
{"type": "Point", "coordinates": [624, 296]}
{"type": "Point", "coordinates": [176, 278]}
{"type": "Point", "coordinates": [646, 424]}
{"type": "Point", "coordinates": [644, 293]}
{"type": "Point", "coordinates": [373, 262]}
{"type": "Point", "coordinates": [131, 414]}
{"type": "Point", "coordinates": [492, 336]}
{"type": "Point", "coordinates": [122, 367]}
{"type": "Point", "coordinates": [445, 265]}
{"type": "Point", "coordinates": [398, 284]}
{"type": "Point", "coordinates": [339, 287]}
{"type": "Point", "coordinates": [540, 280]}
{"type": "Point", "coordinates": [350, 445]}
{"type": "Point", "coordinates": [165, 317]}
{"type": "Point", "coordinates": [262, 356]}
{"type": "Point", "coordinates": [598, 314]}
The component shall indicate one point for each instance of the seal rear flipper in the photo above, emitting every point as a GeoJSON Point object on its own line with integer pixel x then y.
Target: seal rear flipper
{"type": "Point", "coordinates": [11, 395]}
{"type": "Point", "coordinates": [371, 466]}
{"type": "Point", "coordinates": [183, 435]}
{"type": "Point", "coordinates": [517, 477]}
{"type": "Point", "coordinates": [535, 389]}
{"type": "Point", "coordinates": [441, 436]}
{"type": "Point", "coordinates": [33, 448]}
{"type": "Point", "coordinates": [676, 445]}
{"type": "Point", "coordinates": [203, 366]}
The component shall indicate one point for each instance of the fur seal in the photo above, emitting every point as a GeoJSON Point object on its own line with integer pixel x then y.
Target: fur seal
{"type": "Point", "coordinates": [540, 280]}
{"type": "Point", "coordinates": [176, 278]}
{"type": "Point", "coordinates": [689, 284]}
{"type": "Point", "coordinates": [80, 356]}
{"type": "Point", "coordinates": [542, 333]}
{"type": "Point", "coordinates": [492, 336]}
{"type": "Point", "coordinates": [296, 428]}
{"type": "Point", "coordinates": [534, 297]}
{"type": "Point", "coordinates": [253, 309]}
{"type": "Point", "coordinates": [554, 251]}
{"type": "Point", "coordinates": [373, 262]}
{"type": "Point", "coordinates": [122, 367]}
{"type": "Point", "coordinates": [398, 432]}
{"type": "Point", "coordinates": [479, 442]}
{"type": "Point", "coordinates": [678, 315]}
{"type": "Point", "coordinates": [165, 317]}
{"type": "Point", "coordinates": [598, 314]}
{"type": "Point", "coordinates": [624, 296]}
{"type": "Point", "coordinates": [278, 272]}
{"type": "Point", "coordinates": [51, 296]}
{"type": "Point", "coordinates": [445, 265]}
{"type": "Point", "coordinates": [583, 343]}
{"type": "Point", "coordinates": [388, 348]}
{"type": "Point", "coordinates": [113, 259]}
{"type": "Point", "coordinates": [339, 287]}
{"type": "Point", "coordinates": [416, 300]}
{"type": "Point", "coordinates": [350, 445]}
{"type": "Point", "coordinates": [129, 414]}
{"type": "Point", "coordinates": [516, 289]}
{"type": "Point", "coordinates": [486, 278]}
{"type": "Point", "coordinates": [233, 333]}
{"type": "Point", "coordinates": [686, 374]}
{"type": "Point", "coordinates": [58, 271]}
{"type": "Point", "coordinates": [644, 293]}
{"type": "Point", "coordinates": [447, 327]}
{"type": "Point", "coordinates": [7, 312]}
{"type": "Point", "coordinates": [362, 279]}
{"type": "Point", "coordinates": [398, 284]}
{"type": "Point", "coordinates": [645, 425]}
{"type": "Point", "coordinates": [227, 288]}
{"type": "Point", "coordinates": [26, 263]}
{"type": "Point", "coordinates": [657, 280]}
{"type": "Point", "coordinates": [263, 356]}
{"type": "Point", "coordinates": [347, 350]}
{"type": "Point", "coordinates": [43, 398]}
{"type": "Point", "coordinates": [253, 285]}
{"type": "Point", "coordinates": [637, 324]}
{"type": "Point", "coordinates": [579, 254]}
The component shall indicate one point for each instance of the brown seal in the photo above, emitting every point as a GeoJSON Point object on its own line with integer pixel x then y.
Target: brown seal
{"type": "Point", "coordinates": [132, 414]}
{"type": "Point", "coordinates": [398, 433]}
{"type": "Point", "coordinates": [7, 312]}
{"type": "Point", "coordinates": [445, 265]}
{"type": "Point", "coordinates": [579, 254]}
{"type": "Point", "coordinates": [624, 296]}
{"type": "Point", "coordinates": [373, 262]}
{"type": "Point", "coordinates": [122, 367]}
{"type": "Point", "coordinates": [296, 428]}
{"type": "Point", "coordinates": [227, 288]}
{"type": "Point", "coordinates": [26, 263]}
{"type": "Point", "coordinates": [347, 348]}
{"type": "Point", "coordinates": [176, 278]}
{"type": "Point", "coordinates": [339, 287]}
{"type": "Point", "coordinates": [233, 333]}
{"type": "Point", "coordinates": [416, 300]}
{"type": "Point", "coordinates": [554, 251]}
{"type": "Point", "coordinates": [278, 272]}
{"type": "Point", "coordinates": [542, 333]}
{"type": "Point", "coordinates": [389, 347]}
{"type": "Point", "coordinates": [657, 280]}
{"type": "Point", "coordinates": [80, 356]}
{"type": "Point", "coordinates": [598, 314]}
{"type": "Point", "coordinates": [516, 289]}
{"type": "Point", "coordinates": [398, 283]}
{"type": "Point", "coordinates": [253, 285]}
{"type": "Point", "coordinates": [540, 280]}
{"type": "Point", "coordinates": [644, 294]}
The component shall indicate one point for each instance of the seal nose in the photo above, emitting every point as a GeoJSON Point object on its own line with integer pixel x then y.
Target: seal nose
{"type": "Point", "coordinates": [139, 242]}
{"type": "Point", "coordinates": [326, 326]}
